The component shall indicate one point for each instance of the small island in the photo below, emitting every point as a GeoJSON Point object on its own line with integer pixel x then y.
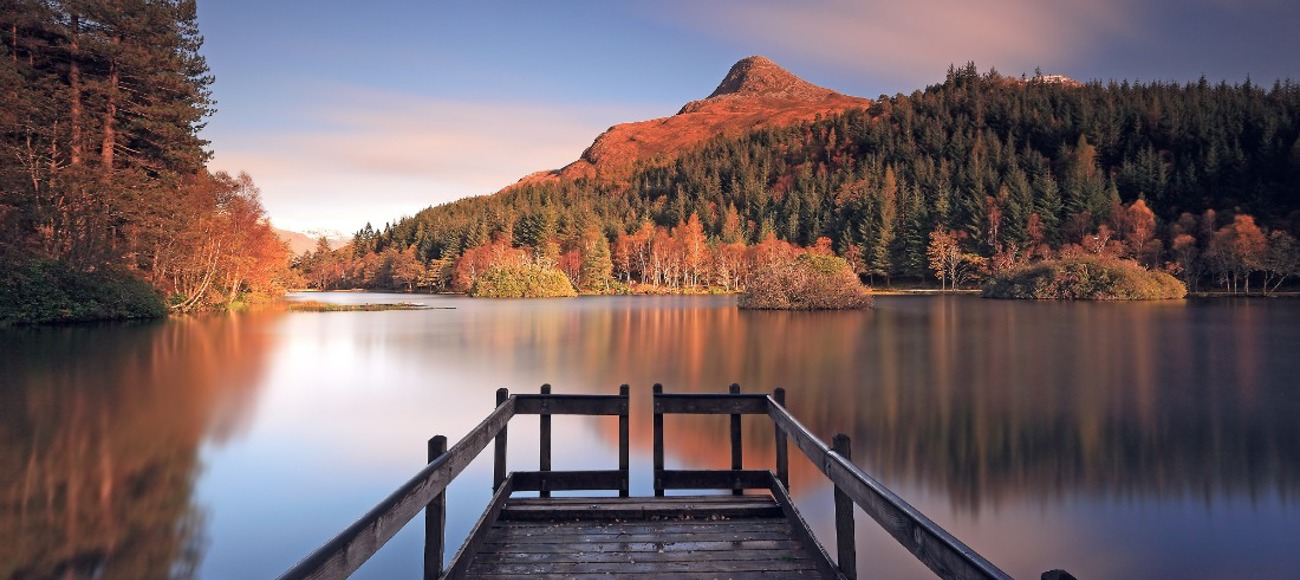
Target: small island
{"type": "Point", "coordinates": [806, 282]}
{"type": "Point", "coordinates": [1084, 277]}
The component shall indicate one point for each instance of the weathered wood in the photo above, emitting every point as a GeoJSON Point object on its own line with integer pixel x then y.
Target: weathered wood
{"type": "Point", "coordinates": [544, 444]}
{"type": "Point", "coordinates": [765, 540]}
{"type": "Point", "coordinates": [562, 404]}
{"type": "Point", "coordinates": [658, 440]}
{"type": "Point", "coordinates": [801, 530]}
{"type": "Point", "coordinates": [944, 554]}
{"type": "Point", "coordinates": [737, 451]}
{"type": "Point", "coordinates": [479, 533]}
{"type": "Point", "coordinates": [713, 479]}
{"type": "Point", "coordinates": [782, 450]}
{"type": "Point", "coordinates": [348, 550]}
{"type": "Point", "coordinates": [435, 518]}
{"type": "Point", "coordinates": [655, 576]}
{"type": "Point", "coordinates": [718, 565]}
{"type": "Point", "coordinates": [624, 442]}
{"type": "Point", "coordinates": [547, 481]}
{"type": "Point", "coordinates": [696, 507]}
{"type": "Point", "coordinates": [710, 404]}
{"type": "Point", "coordinates": [499, 455]}
{"type": "Point", "coordinates": [845, 533]}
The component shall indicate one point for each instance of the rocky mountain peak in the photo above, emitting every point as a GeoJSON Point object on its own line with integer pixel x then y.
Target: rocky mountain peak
{"type": "Point", "coordinates": [759, 76]}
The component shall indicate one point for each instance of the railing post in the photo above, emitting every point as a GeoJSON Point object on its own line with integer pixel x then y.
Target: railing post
{"type": "Point", "coordinates": [544, 462]}
{"type": "Point", "coordinates": [782, 450]}
{"type": "Point", "coordinates": [435, 518]}
{"type": "Point", "coordinates": [499, 459]}
{"type": "Point", "coordinates": [737, 458]}
{"type": "Point", "coordinates": [659, 441]}
{"type": "Point", "coordinates": [846, 544]}
{"type": "Point", "coordinates": [623, 437]}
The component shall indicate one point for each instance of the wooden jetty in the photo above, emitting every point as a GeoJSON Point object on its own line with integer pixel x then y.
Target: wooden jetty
{"type": "Point", "coordinates": [736, 535]}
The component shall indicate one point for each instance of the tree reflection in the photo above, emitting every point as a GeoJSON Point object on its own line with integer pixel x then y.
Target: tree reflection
{"type": "Point", "coordinates": [99, 442]}
{"type": "Point", "coordinates": [987, 400]}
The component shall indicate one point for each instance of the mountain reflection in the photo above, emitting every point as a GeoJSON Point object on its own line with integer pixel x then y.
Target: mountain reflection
{"type": "Point", "coordinates": [100, 428]}
{"type": "Point", "coordinates": [985, 400]}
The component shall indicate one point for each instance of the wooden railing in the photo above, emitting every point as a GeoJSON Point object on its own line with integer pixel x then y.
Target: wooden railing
{"type": "Point", "coordinates": [944, 554]}
{"type": "Point", "coordinates": [342, 555]}
{"type": "Point", "coordinates": [940, 551]}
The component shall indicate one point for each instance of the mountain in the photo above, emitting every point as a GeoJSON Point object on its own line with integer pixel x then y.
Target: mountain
{"type": "Point", "coordinates": [756, 93]}
{"type": "Point", "coordinates": [1009, 169]}
{"type": "Point", "coordinates": [300, 242]}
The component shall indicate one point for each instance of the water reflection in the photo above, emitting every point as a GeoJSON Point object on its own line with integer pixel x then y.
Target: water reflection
{"type": "Point", "coordinates": [99, 431]}
{"type": "Point", "coordinates": [1160, 435]}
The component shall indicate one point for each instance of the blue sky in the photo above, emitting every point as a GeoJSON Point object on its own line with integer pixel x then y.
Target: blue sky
{"type": "Point", "coordinates": [353, 112]}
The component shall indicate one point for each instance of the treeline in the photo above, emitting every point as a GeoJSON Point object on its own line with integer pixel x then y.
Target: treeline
{"type": "Point", "coordinates": [104, 192]}
{"type": "Point", "coordinates": [1013, 170]}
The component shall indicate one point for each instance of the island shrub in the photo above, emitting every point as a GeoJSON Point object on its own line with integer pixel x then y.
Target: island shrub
{"type": "Point", "coordinates": [806, 282]}
{"type": "Point", "coordinates": [522, 281]}
{"type": "Point", "coordinates": [39, 291]}
{"type": "Point", "coordinates": [1084, 277]}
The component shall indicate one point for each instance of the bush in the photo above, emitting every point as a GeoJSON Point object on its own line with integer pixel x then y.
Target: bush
{"type": "Point", "coordinates": [522, 281]}
{"type": "Point", "coordinates": [807, 282]}
{"type": "Point", "coordinates": [1084, 278]}
{"type": "Point", "coordinates": [40, 291]}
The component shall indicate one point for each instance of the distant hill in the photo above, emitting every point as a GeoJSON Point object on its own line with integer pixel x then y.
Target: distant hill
{"type": "Point", "coordinates": [300, 242]}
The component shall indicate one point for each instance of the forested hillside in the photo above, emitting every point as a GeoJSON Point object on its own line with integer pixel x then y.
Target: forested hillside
{"type": "Point", "coordinates": [969, 177]}
{"type": "Point", "coordinates": [106, 208]}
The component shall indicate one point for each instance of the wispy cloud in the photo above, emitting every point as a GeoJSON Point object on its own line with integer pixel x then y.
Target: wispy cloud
{"type": "Point", "coordinates": [917, 40]}
{"type": "Point", "coordinates": [365, 155]}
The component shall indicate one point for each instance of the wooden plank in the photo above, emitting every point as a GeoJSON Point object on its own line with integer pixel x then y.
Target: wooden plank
{"type": "Point", "coordinates": [845, 533]}
{"type": "Point", "coordinates": [755, 555]}
{"type": "Point", "coordinates": [348, 550]}
{"type": "Point", "coordinates": [711, 404]}
{"type": "Point", "coordinates": [547, 481]}
{"type": "Point", "coordinates": [499, 454]}
{"type": "Point", "coordinates": [658, 440]}
{"type": "Point", "coordinates": [637, 511]}
{"type": "Point", "coordinates": [647, 543]}
{"type": "Point", "coordinates": [544, 445]}
{"type": "Point", "coordinates": [737, 450]}
{"type": "Point", "coordinates": [655, 575]}
{"type": "Point", "coordinates": [560, 529]}
{"type": "Point", "coordinates": [695, 500]}
{"type": "Point", "coordinates": [713, 479]}
{"type": "Point", "coordinates": [435, 519]}
{"type": "Point", "coordinates": [562, 404]}
{"type": "Point", "coordinates": [709, 565]}
{"type": "Point", "coordinates": [676, 576]}
{"type": "Point", "coordinates": [782, 450]}
{"type": "Point", "coordinates": [802, 532]}
{"type": "Point", "coordinates": [624, 442]}
{"type": "Point", "coordinates": [480, 532]}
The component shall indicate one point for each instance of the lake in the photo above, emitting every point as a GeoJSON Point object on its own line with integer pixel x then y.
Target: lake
{"type": "Point", "coordinates": [1110, 440]}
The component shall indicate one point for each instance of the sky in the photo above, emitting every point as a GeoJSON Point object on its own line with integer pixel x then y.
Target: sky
{"type": "Point", "coordinates": [347, 113]}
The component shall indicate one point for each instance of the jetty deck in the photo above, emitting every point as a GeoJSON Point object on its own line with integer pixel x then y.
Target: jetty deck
{"type": "Point", "coordinates": [710, 537]}
{"type": "Point", "coordinates": [736, 523]}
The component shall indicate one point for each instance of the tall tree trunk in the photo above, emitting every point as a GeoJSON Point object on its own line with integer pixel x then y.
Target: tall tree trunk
{"type": "Point", "coordinates": [74, 86]}
{"type": "Point", "coordinates": [110, 114]}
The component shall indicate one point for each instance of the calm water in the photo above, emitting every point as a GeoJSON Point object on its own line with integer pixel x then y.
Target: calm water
{"type": "Point", "coordinates": [1112, 440]}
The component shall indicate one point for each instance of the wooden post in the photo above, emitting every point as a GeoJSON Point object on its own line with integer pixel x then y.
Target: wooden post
{"type": "Point", "coordinates": [435, 519]}
{"type": "Point", "coordinates": [499, 460]}
{"type": "Point", "coordinates": [844, 530]}
{"type": "Point", "coordinates": [544, 462]}
{"type": "Point", "coordinates": [782, 451]}
{"type": "Point", "coordinates": [659, 441]}
{"type": "Point", "coordinates": [737, 458]}
{"type": "Point", "coordinates": [623, 437]}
